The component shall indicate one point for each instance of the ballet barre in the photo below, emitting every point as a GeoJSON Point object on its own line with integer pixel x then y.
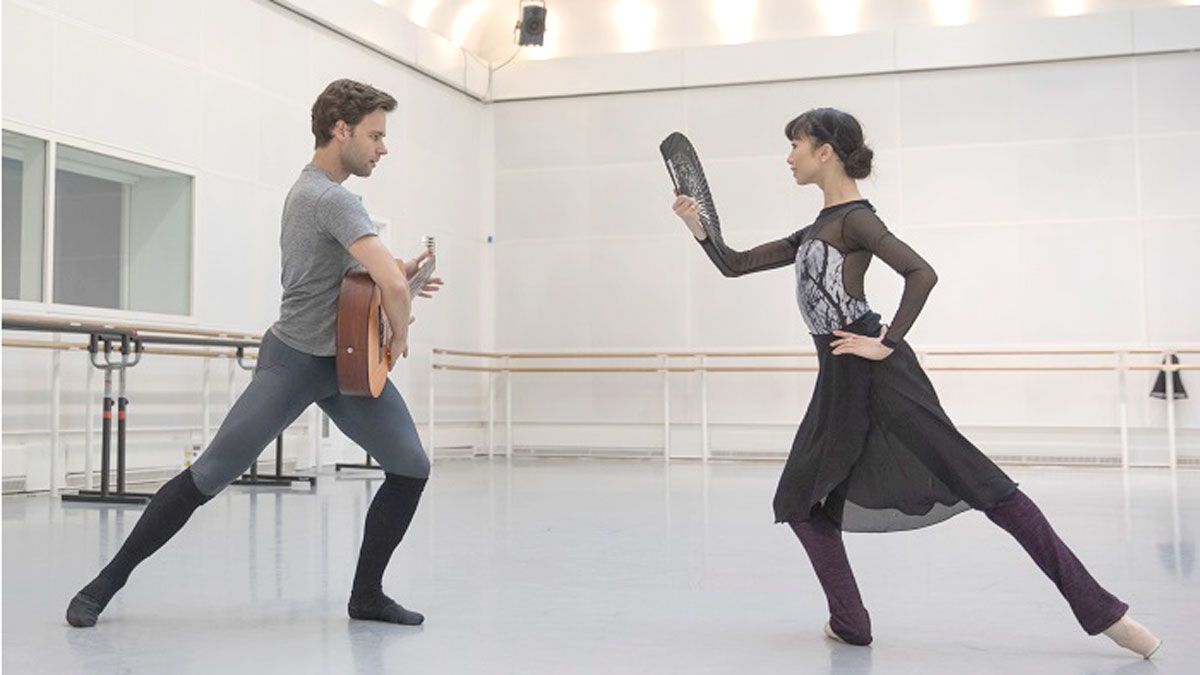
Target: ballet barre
{"type": "Point", "coordinates": [132, 341]}
{"type": "Point", "coordinates": [505, 370]}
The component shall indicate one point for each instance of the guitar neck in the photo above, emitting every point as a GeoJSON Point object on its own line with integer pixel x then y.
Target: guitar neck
{"type": "Point", "coordinates": [425, 271]}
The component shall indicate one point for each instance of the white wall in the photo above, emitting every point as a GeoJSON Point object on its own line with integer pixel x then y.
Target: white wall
{"type": "Point", "coordinates": [1054, 199]}
{"type": "Point", "coordinates": [883, 50]}
{"type": "Point", "coordinates": [224, 88]}
{"type": "Point", "coordinates": [589, 27]}
{"type": "Point", "coordinates": [377, 25]}
{"type": "Point", "coordinates": [594, 27]}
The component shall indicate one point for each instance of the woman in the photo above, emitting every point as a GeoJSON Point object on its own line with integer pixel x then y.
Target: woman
{"type": "Point", "coordinates": [875, 451]}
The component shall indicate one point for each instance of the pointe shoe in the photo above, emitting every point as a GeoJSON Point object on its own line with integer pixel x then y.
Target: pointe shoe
{"type": "Point", "coordinates": [832, 635]}
{"type": "Point", "coordinates": [1133, 636]}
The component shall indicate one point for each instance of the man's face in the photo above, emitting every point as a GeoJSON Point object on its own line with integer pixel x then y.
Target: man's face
{"type": "Point", "coordinates": [364, 146]}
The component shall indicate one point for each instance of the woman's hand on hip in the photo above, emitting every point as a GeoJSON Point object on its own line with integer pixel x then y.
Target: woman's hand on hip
{"type": "Point", "coordinates": [867, 347]}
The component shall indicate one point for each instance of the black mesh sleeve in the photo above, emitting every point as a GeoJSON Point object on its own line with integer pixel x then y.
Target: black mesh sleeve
{"type": "Point", "coordinates": [768, 256]}
{"type": "Point", "coordinates": [863, 229]}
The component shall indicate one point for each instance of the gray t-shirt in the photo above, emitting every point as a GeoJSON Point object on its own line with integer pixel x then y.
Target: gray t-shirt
{"type": "Point", "coordinates": [320, 221]}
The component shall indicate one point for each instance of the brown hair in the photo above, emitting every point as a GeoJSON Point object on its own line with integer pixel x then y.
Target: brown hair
{"type": "Point", "coordinates": [348, 101]}
{"type": "Point", "coordinates": [841, 131]}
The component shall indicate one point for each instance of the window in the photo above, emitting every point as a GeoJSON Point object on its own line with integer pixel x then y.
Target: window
{"type": "Point", "coordinates": [24, 216]}
{"type": "Point", "coordinates": [122, 234]}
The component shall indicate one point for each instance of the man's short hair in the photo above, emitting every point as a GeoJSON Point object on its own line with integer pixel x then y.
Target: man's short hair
{"type": "Point", "coordinates": [348, 101]}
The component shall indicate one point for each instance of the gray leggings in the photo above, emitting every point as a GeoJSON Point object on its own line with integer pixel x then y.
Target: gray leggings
{"type": "Point", "coordinates": [285, 383]}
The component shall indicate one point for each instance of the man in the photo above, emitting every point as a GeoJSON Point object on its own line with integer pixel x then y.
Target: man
{"type": "Point", "coordinates": [325, 231]}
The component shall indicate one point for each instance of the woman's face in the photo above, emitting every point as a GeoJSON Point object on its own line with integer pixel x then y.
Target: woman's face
{"type": "Point", "coordinates": [806, 161]}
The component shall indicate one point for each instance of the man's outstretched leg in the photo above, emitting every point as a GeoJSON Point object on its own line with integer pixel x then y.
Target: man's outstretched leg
{"type": "Point", "coordinates": [166, 513]}
{"type": "Point", "coordinates": [285, 382]}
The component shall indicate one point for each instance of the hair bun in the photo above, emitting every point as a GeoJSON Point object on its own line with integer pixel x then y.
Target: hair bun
{"type": "Point", "coordinates": [858, 163]}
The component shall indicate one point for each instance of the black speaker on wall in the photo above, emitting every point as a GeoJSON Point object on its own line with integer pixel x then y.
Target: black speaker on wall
{"type": "Point", "coordinates": [531, 29]}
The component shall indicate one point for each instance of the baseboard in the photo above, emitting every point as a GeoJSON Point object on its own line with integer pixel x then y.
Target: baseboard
{"type": "Point", "coordinates": [17, 484]}
{"type": "Point", "coordinates": [552, 452]}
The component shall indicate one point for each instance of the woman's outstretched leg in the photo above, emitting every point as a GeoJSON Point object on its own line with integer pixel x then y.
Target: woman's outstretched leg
{"type": "Point", "coordinates": [1096, 610]}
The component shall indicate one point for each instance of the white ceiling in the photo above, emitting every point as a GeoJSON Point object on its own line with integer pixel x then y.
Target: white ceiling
{"type": "Point", "coordinates": [579, 27]}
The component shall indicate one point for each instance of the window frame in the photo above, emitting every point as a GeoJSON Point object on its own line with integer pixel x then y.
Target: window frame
{"type": "Point", "coordinates": [46, 306]}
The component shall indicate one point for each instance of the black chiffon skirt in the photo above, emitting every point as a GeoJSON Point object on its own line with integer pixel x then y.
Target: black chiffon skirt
{"type": "Point", "coordinates": [875, 450]}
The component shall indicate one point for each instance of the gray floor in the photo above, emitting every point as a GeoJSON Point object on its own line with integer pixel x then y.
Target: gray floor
{"type": "Point", "coordinates": [597, 567]}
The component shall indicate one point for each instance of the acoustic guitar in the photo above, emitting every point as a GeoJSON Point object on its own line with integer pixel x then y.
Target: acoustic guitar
{"type": "Point", "coordinates": [364, 335]}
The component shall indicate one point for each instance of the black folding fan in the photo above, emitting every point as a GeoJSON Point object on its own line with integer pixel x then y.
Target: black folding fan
{"type": "Point", "coordinates": [688, 176]}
